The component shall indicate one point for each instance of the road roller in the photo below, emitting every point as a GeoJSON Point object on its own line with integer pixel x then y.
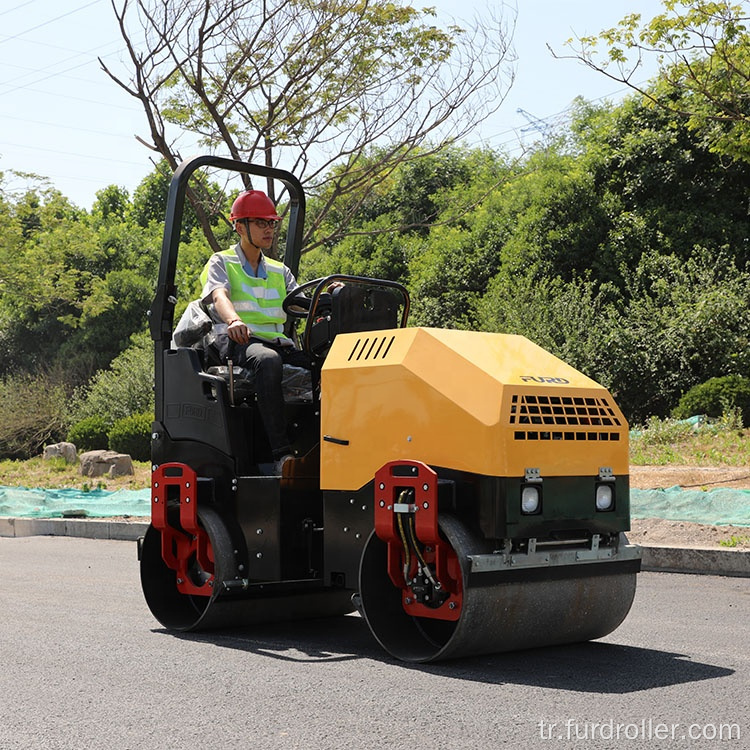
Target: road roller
{"type": "Point", "coordinates": [465, 492]}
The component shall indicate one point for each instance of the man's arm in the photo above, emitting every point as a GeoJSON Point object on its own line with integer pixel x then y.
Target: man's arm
{"type": "Point", "coordinates": [236, 329]}
{"type": "Point", "coordinates": [216, 292]}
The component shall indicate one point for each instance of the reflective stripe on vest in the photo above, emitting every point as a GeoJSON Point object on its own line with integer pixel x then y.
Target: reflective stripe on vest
{"type": "Point", "coordinates": [257, 301]}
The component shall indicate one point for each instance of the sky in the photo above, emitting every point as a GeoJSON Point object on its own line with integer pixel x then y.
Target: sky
{"type": "Point", "coordinates": [63, 118]}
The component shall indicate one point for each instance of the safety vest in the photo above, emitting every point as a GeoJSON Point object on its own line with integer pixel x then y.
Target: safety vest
{"type": "Point", "coordinates": [257, 301]}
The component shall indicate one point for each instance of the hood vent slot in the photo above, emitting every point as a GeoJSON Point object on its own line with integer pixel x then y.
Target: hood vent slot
{"type": "Point", "coordinates": [371, 348]}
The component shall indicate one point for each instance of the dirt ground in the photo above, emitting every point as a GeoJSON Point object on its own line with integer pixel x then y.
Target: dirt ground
{"type": "Point", "coordinates": [682, 533]}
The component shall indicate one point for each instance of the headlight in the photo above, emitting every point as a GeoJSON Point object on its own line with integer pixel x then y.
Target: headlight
{"type": "Point", "coordinates": [530, 499]}
{"type": "Point", "coordinates": [605, 496]}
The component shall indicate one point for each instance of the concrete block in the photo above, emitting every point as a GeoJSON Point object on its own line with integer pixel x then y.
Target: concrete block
{"type": "Point", "coordinates": [699, 560]}
{"type": "Point", "coordinates": [93, 528]}
{"type": "Point", "coordinates": [127, 530]}
{"type": "Point", "coordinates": [88, 528]}
{"type": "Point", "coordinates": [39, 526]}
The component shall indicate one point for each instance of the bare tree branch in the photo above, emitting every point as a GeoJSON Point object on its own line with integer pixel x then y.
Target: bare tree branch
{"type": "Point", "coordinates": [340, 92]}
{"type": "Point", "coordinates": [702, 48]}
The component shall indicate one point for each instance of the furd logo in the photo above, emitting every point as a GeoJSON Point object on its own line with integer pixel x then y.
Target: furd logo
{"type": "Point", "coordinates": [543, 379]}
{"type": "Point", "coordinates": [193, 411]}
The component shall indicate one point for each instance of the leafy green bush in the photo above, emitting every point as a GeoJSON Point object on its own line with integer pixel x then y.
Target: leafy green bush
{"type": "Point", "coordinates": [675, 325]}
{"type": "Point", "coordinates": [685, 322]}
{"type": "Point", "coordinates": [716, 397]}
{"type": "Point", "coordinates": [125, 388]}
{"type": "Point", "coordinates": [90, 433]}
{"type": "Point", "coordinates": [132, 435]}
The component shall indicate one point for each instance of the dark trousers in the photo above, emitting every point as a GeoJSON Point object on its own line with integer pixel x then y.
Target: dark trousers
{"type": "Point", "coordinates": [265, 362]}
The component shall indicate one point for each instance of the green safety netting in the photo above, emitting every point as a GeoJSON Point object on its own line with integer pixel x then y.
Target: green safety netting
{"type": "Point", "coordinates": [22, 502]}
{"type": "Point", "coordinates": [718, 507]}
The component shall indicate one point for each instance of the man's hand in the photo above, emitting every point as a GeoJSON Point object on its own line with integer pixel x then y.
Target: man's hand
{"type": "Point", "coordinates": [238, 332]}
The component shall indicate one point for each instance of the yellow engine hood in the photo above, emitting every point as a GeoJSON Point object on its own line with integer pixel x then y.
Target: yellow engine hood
{"type": "Point", "coordinates": [486, 403]}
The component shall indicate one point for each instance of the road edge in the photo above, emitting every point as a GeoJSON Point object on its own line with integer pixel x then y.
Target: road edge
{"type": "Point", "coordinates": [658, 558]}
{"type": "Point", "coordinates": [89, 528]}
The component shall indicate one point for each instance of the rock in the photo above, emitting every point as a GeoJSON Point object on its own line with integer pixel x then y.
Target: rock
{"type": "Point", "coordinates": [98, 463]}
{"type": "Point", "coordinates": [75, 513]}
{"type": "Point", "coordinates": [61, 450]}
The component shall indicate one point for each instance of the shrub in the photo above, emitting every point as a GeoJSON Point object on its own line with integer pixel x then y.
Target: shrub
{"type": "Point", "coordinates": [674, 324]}
{"type": "Point", "coordinates": [33, 413]}
{"type": "Point", "coordinates": [90, 433]}
{"type": "Point", "coordinates": [125, 388]}
{"type": "Point", "coordinates": [132, 435]}
{"type": "Point", "coordinates": [717, 397]}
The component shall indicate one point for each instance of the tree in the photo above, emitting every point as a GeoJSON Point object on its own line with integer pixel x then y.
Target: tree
{"type": "Point", "coordinates": [702, 48]}
{"type": "Point", "coordinates": [444, 253]}
{"type": "Point", "coordinates": [74, 286]}
{"type": "Point", "coordinates": [123, 388]}
{"type": "Point", "coordinates": [659, 185]}
{"type": "Point", "coordinates": [112, 204]}
{"type": "Point", "coordinates": [676, 324]}
{"type": "Point", "coordinates": [680, 323]}
{"type": "Point", "coordinates": [150, 201]}
{"type": "Point", "coordinates": [310, 87]}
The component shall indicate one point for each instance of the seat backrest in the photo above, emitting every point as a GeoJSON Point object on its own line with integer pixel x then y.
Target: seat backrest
{"type": "Point", "coordinates": [360, 308]}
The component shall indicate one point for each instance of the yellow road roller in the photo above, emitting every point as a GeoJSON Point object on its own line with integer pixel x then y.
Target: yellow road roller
{"type": "Point", "coordinates": [466, 492]}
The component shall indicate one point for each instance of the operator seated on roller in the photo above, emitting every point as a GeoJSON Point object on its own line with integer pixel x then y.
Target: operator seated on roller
{"type": "Point", "coordinates": [247, 289]}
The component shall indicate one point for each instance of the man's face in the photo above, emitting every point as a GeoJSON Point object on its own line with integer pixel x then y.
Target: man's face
{"type": "Point", "coordinates": [260, 232]}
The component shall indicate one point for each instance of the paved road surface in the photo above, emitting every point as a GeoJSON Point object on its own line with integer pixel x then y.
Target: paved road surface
{"type": "Point", "coordinates": [84, 665]}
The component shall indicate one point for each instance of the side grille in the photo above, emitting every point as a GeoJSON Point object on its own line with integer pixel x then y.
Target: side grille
{"type": "Point", "coordinates": [540, 415]}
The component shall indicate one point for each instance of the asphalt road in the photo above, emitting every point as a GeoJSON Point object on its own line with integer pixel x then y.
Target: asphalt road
{"type": "Point", "coordinates": [84, 665]}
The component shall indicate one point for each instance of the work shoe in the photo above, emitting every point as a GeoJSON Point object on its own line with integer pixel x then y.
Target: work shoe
{"type": "Point", "coordinates": [275, 468]}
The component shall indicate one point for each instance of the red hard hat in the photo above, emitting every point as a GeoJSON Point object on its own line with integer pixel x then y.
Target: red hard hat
{"type": "Point", "coordinates": [253, 204]}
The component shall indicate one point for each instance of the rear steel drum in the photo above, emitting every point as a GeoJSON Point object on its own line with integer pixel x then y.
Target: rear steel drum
{"type": "Point", "coordinates": [225, 606]}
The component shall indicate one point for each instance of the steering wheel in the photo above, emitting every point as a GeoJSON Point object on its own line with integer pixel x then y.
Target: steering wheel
{"type": "Point", "coordinates": [297, 305]}
{"type": "Point", "coordinates": [343, 309]}
{"type": "Point", "coordinates": [316, 310]}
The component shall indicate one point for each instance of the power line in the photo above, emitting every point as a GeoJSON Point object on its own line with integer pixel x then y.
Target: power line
{"type": "Point", "coordinates": [557, 118]}
{"type": "Point", "coordinates": [76, 98]}
{"type": "Point", "coordinates": [46, 78]}
{"type": "Point", "coordinates": [108, 160]}
{"type": "Point", "coordinates": [17, 7]}
{"type": "Point", "coordinates": [56, 65]}
{"type": "Point", "coordinates": [60, 73]}
{"type": "Point", "coordinates": [76, 178]}
{"type": "Point", "coordinates": [105, 81]}
{"type": "Point", "coordinates": [59, 126]}
{"type": "Point", "coordinates": [46, 23]}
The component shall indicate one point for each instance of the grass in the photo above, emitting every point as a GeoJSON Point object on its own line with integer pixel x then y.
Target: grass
{"type": "Point", "coordinates": [56, 473]}
{"type": "Point", "coordinates": [661, 442]}
{"type": "Point", "coordinates": [735, 541]}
